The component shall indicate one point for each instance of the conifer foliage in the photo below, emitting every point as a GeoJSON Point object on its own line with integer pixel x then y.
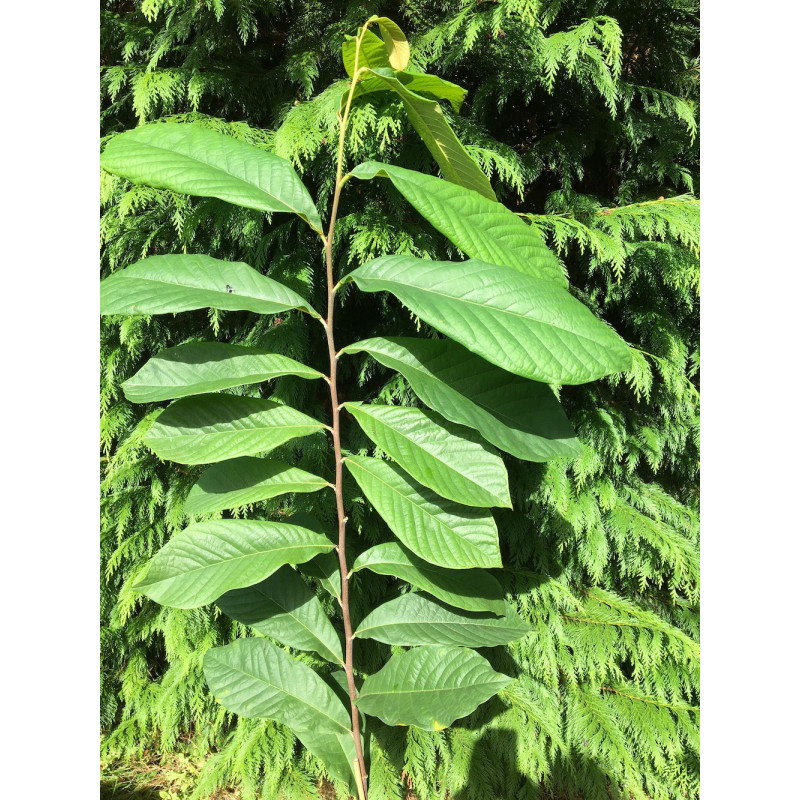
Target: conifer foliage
{"type": "Point", "coordinates": [584, 123]}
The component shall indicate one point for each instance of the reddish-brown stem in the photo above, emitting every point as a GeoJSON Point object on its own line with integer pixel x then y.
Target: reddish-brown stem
{"type": "Point", "coordinates": [337, 445]}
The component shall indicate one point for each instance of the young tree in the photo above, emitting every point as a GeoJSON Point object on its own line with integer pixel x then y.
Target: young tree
{"type": "Point", "coordinates": [611, 546]}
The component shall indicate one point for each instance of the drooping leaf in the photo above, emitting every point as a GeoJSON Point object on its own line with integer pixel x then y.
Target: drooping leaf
{"type": "Point", "coordinates": [174, 283]}
{"type": "Point", "coordinates": [481, 227]}
{"type": "Point", "coordinates": [522, 417]}
{"type": "Point", "coordinates": [284, 608]}
{"type": "Point", "coordinates": [395, 42]}
{"type": "Point", "coordinates": [430, 687]}
{"type": "Point", "coordinates": [336, 751]}
{"type": "Point", "coordinates": [198, 368]}
{"type": "Point", "coordinates": [429, 122]}
{"type": "Point", "coordinates": [371, 53]}
{"type": "Point", "coordinates": [530, 327]}
{"type": "Point", "coordinates": [198, 161]}
{"type": "Point", "coordinates": [447, 458]}
{"type": "Point", "coordinates": [241, 481]}
{"type": "Point", "coordinates": [438, 530]}
{"type": "Point", "coordinates": [414, 619]}
{"type": "Point", "coordinates": [216, 427]}
{"type": "Point", "coordinates": [254, 678]}
{"type": "Point", "coordinates": [201, 563]}
{"type": "Point", "coordinates": [325, 568]}
{"type": "Point", "coordinates": [472, 589]}
{"type": "Point", "coordinates": [417, 82]}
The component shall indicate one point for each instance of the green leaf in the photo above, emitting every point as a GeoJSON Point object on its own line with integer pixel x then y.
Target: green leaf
{"type": "Point", "coordinates": [522, 417]}
{"type": "Point", "coordinates": [451, 460]}
{"type": "Point", "coordinates": [198, 161]}
{"type": "Point", "coordinates": [325, 568]}
{"type": "Point", "coordinates": [371, 53]}
{"type": "Point", "coordinates": [174, 283]}
{"type": "Point", "coordinates": [208, 559]}
{"type": "Point", "coordinates": [481, 227]}
{"type": "Point", "coordinates": [254, 678]}
{"type": "Point", "coordinates": [472, 590]}
{"type": "Point", "coordinates": [202, 367]}
{"type": "Point", "coordinates": [284, 608]}
{"type": "Point", "coordinates": [436, 529]}
{"type": "Point", "coordinates": [430, 687]}
{"type": "Point", "coordinates": [527, 326]}
{"type": "Point", "coordinates": [241, 481]}
{"type": "Point", "coordinates": [418, 82]}
{"type": "Point", "coordinates": [429, 122]}
{"type": "Point", "coordinates": [414, 619]}
{"type": "Point", "coordinates": [216, 427]}
{"type": "Point", "coordinates": [395, 42]}
{"type": "Point", "coordinates": [336, 751]}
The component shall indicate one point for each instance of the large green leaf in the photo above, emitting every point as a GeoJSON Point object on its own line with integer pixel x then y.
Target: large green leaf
{"type": "Point", "coordinates": [417, 82]}
{"type": "Point", "coordinates": [482, 228]}
{"type": "Point", "coordinates": [438, 530]}
{"type": "Point", "coordinates": [430, 687]}
{"type": "Point", "coordinates": [195, 160]}
{"type": "Point", "coordinates": [471, 589]}
{"type": "Point", "coordinates": [254, 678]}
{"type": "Point", "coordinates": [429, 122]}
{"type": "Point", "coordinates": [447, 458]}
{"type": "Point", "coordinates": [284, 608]}
{"type": "Point", "coordinates": [530, 327]}
{"type": "Point", "coordinates": [202, 367]}
{"type": "Point", "coordinates": [215, 427]}
{"type": "Point", "coordinates": [414, 619]}
{"type": "Point", "coordinates": [174, 283]}
{"type": "Point", "coordinates": [208, 559]}
{"type": "Point", "coordinates": [522, 417]}
{"type": "Point", "coordinates": [241, 481]}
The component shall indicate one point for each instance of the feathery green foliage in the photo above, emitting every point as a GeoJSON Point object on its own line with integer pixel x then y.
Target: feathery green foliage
{"type": "Point", "coordinates": [584, 117]}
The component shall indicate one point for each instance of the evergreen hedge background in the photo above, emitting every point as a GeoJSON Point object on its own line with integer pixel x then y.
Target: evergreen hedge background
{"type": "Point", "coordinates": [584, 114]}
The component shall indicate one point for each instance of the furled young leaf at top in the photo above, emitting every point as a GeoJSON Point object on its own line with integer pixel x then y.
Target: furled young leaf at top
{"type": "Point", "coordinates": [522, 417]}
{"type": "Point", "coordinates": [195, 160]}
{"type": "Point", "coordinates": [372, 53]}
{"type": "Point", "coordinates": [429, 122]}
{"type": "Point", "coordinates": [414, 619]}
{"type": "Point", "coordinates": [430, 687]}
{"type": "Point", "coordinates": [201, 367]}
{"type": "Point", "coordinates": [470, 589]}
{"type": "Point", "coordinates": [241, 481]}
{"type": "Point", "coordinates": [216, 427]}
{"type": "Point", "coordinates": [284, 608]}
{"type": "Point", "coordinates": [417, 82]}
{"type": "Point", "coordinates": [201, 563]}
{"type": "Point", "coordinates": [438, 530]}
{"type": "Point", "coordinates": [450, 459]}
{"type": "Point", "coordinates": [254, 678]}
{"type": "Point", "coordinates": [530, 327]}
{"type": "Point", "coordinates": [395, 42]}
{"type": "Point", "coordinates": [174, 283]}
{"type": "Point", "coordinates": [482, 228]}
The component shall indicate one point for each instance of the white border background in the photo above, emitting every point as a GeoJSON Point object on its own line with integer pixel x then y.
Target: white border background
{"type": "Point", "coordinates": [751, 310]}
